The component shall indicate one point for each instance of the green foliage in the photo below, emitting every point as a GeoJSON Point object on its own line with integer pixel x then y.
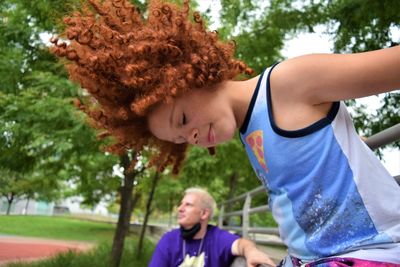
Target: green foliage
{"type": "Point", "coordinates": [363, 25]}
{"type": "Point", "coordinates": [45, 14]}
{"type": "Point", "coordinates": [168, 194]}
{"type": "Point", "coordinates": [44, 140]}
{"type": "Point", "coordinates": [262, 220]}
{"type": "Point", "coordinates": [355, 25]}
{"type": "Point", "coordinates": [34, 124]}
{"type": "Point", "coordinates": [22, 50]}
{"type": "Point", "coordinates": [258, 39]}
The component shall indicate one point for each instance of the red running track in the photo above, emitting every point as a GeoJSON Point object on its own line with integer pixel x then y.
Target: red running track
{"type": "Point", "coordinates": [27, 249]}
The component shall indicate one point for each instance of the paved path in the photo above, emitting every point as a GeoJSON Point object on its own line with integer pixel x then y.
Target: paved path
{"type": "Point", "coordinates": [13, 248]}
{"type": "Point", "coordinates": [275, 253]}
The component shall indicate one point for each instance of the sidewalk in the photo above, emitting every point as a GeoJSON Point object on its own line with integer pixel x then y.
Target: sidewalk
{"type": "Point", "coordinates": [14, 248]}
{"type": "Point", "coordinates": [276, 253]}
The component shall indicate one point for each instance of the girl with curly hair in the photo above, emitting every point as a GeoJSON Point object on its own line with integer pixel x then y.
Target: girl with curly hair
{"type": "Point", "coordinates": [130, 65]}
{"type": "Point", "coordinates": [164, 82]}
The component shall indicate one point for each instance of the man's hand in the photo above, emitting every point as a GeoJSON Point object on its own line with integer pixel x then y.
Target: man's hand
{"type": "Point", "coordinates": [247, 249]}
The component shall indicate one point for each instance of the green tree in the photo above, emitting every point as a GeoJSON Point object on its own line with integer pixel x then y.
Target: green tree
{"type": "Point", "coordinates": [167, 196]}
{"type": "Point", "coordinates": [259, 41]}
{"type": "Point", "coordinates": [127, 203]}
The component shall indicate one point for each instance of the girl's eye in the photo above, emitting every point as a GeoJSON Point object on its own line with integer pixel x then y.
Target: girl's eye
{"type": "Point", "coordinates": [183, 119]}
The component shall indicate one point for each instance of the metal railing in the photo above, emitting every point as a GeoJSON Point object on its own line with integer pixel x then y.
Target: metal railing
{"type": "Point", "coordinates": [378, 140]}
{"type": "Point", "coordinates": [384, 137]}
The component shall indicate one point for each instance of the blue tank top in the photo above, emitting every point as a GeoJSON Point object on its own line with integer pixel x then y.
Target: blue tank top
{"type": "Point", "coordinates": [327, 190]}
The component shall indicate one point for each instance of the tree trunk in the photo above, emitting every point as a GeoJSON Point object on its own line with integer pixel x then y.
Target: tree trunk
{"type": "Point", "coordinates": [125, 213]}
{"type": "Point", "coordinates": [135, 200]}
{"type": "Point", "coordinates": [10, 199]}
{"type": "Point", "coordinates": [27, 205]}
{"type": "Point", "coordinates": [148, 211]}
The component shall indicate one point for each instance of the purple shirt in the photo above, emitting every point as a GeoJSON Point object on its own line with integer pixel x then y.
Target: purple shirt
{"type": "Point", "coordinates": [217, 246]}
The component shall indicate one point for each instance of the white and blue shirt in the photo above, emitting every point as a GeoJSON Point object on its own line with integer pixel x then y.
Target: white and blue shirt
{"type": "Point", "coordinates": [328, 192]}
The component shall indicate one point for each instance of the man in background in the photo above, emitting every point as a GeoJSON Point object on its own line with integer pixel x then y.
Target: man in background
{"type": "Point", "coordinates": [197, 243]}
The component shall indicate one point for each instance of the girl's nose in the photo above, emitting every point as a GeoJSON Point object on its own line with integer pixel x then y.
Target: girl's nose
{"type": "Point", "coordinates": [193, 137]}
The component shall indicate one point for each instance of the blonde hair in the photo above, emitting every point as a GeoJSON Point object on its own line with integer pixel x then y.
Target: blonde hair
{"type": "Point", "coordinates": [207, 201]}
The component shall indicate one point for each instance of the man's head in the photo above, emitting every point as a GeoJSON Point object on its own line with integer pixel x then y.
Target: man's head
{"type": "Point", "coordinates": [130, 63]}
{"type": "Point", "coordinates": [197, 206]}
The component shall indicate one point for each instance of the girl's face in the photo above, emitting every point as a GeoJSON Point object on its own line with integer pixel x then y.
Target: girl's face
{"type": "Point", "coordinates": [200, 117]}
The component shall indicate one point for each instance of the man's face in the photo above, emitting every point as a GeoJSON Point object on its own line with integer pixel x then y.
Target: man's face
{"type": "Point", "coordinates": [190, 211]}
{"type": "Point", "coordinates": [199, 117]}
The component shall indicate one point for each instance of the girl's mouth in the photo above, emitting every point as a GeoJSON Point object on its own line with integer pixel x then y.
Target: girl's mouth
{"type": "Point", "coordinates": [211, 135]}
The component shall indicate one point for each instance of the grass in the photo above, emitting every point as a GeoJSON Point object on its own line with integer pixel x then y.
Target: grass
{"type": "Point", "coordinates": [66, 228]}
{"type": "Point", "coordinates": [56, 228]}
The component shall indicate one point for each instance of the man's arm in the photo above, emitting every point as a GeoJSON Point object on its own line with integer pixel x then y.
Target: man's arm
{"type": "Point", "coordinates": [247, 249]}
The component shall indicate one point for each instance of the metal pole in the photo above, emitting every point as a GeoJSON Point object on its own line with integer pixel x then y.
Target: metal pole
{"type": "Point", "coordinates": [384, 137]}
{"type": "Point", "coordinates": [246, 216]}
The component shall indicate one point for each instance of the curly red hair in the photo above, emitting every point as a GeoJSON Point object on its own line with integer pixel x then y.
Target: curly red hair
{"type": "Point", "coordinates": [129, 64]}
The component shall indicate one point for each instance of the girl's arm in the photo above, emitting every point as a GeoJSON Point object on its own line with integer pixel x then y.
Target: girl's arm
{"type": "Point", "coordinates": [324, 78]}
